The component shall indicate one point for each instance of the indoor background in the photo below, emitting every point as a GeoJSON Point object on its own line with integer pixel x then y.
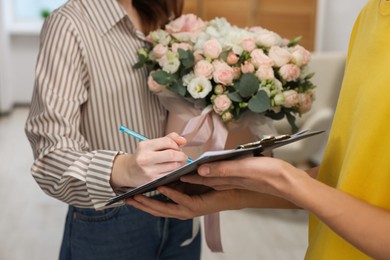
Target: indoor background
{"type": "Point", "coordinates": [31, 222]}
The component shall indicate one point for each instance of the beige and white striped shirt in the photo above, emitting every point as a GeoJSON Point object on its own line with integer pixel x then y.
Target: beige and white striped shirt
{"type": "Point", "coordinates": [85, 89]}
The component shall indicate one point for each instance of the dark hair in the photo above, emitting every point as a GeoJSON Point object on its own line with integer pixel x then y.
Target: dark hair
{"type": "Point", "coordinates": [156, 13]}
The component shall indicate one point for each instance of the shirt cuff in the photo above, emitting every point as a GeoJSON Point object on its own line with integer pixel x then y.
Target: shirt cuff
{"type": "Point", "coordinates": [98, 178]}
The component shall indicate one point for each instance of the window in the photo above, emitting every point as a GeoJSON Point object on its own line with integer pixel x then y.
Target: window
{"type": "Point", "coordinates": [26, 16]}
{"type": "Point", "coordinates": [27, 10]}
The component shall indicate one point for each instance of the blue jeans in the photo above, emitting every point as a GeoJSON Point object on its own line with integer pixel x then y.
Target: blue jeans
{"type": "Point", "coordinates": [126, 233]}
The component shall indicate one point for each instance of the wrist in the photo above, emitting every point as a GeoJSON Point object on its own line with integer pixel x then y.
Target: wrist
{"type": "Point", "coordinates": [119, 171]}
{"type": "Point", "coordinates": [298, 186]}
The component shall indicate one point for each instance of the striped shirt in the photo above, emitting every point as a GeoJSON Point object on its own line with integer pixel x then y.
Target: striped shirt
{"type": "Point", "coordinates": [85, 88]}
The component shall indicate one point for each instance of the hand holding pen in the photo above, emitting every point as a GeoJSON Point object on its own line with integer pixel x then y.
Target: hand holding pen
{"type": "Point", "coordinates": [139, 136]}
{"type": "Point", "coordinates": [150, 160]}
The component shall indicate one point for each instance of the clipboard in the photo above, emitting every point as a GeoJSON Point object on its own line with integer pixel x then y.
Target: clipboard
{"type": "Point", "coordinates": [256, 148]}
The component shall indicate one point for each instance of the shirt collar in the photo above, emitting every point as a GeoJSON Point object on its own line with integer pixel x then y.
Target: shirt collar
{"type": "Point", "coordinates": [105, 14]}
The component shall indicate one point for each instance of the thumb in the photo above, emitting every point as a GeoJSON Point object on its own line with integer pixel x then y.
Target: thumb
{"type": "Point", "coordinates": [219, 169]}
{"type": "Point", "coordinates": [179, 140]}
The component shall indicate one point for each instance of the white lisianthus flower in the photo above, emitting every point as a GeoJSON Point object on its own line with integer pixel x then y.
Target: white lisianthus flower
{"type": "Point", "coordinates": [237, 49]}
{"type": "Point", "coordinates": [187, 78]}
{"type": "Point", "coordinates": [170, 62]}
{"type": "Point", "coordinates": [199, 87]}
{"type": "Point", "coordinates": [160, 36]}
{"type": "Point", "coordinates": [171, 66]}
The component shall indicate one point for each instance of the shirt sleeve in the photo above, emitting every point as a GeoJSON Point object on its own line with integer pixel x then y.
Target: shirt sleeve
{"type": "Point", "coordinates": [65, 167]}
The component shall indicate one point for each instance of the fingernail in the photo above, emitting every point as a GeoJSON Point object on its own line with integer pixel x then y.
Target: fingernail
{"type": "Point", "coordinates": [204, 170]}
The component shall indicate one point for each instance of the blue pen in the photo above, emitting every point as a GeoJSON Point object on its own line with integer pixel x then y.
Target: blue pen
{"type": "Point", "coordinates": [139, 136]}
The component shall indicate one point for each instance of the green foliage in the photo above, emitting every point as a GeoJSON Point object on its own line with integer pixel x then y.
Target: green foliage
{"type": "Point", "coordinates": [260, 102]}
{"type": "Point", "coordinates": [45, 13]}
{"type": "Point", "coordinates": [248, 85]}
{"type": "Point", "coordinates": [294, 41]}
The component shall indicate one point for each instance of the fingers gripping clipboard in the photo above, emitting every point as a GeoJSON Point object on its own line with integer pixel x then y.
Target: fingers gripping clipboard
{"type": "Point", "coordinates": [256, 148]}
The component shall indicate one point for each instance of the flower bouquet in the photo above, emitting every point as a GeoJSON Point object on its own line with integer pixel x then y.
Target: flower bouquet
{"type": "Point", "coordinates": [227, 73]}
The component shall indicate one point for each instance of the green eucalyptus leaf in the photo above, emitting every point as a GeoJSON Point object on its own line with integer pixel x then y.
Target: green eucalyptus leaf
{"type": "Point", "coordinates": [248, 85]}
{"type": "Point", "coordinates": [141, 62]}
{"type": "Point", "coordinates": [178, 88]}
{"type": "Point", "coordinates": [235, 97]}
{"type": "Point", "coordinates": [186, 58]}
{"type": "Point", "coordinates": [163, 77]}
{"type": "Point", "coordinates": [260, 102]}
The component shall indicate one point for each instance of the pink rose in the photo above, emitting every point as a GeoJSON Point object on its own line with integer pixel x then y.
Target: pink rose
{"type": "Point", "coordinates": [248, 44]}
{"type": "Point", "coordinates": [185, 27]}
{"type": "Point", "coordinates": [232, 58]}
{"type": "Point", "coordinates": [247, 67]}
{"type": "Point", "coordinates": [221, 104]}
{"type": "Point", "coordinates": [223, 73]}
{"type": "Point", "coordinates": [265, 72]}
{"type": "Point", "coordinates": [159, 50]}
{"type": "Point", "coordinates": [291, 98]}
{"type": "Point", "coordinates": [280, 56]}
{"type": "Point", "coordinates": [300, 56]}
{"type": "Point", "coordinates": [259, 58]}
{"type": "Point", "coordinates": [153, 85]}
{"type": "Point", "coordinates": [268, 38]}
{"type": "Point", "coordinates": [290, 72]}
{"type": "Point", "coordinates": [198, 56]}
{"type": "Point", "coordinates": [204, 69]}
{"type": "Point", "coordinates": [182, 45]}
{"type": "Point", "coordinates": [185, 23]}
{"type": "Point", "coordinates": [305, 101]}
{"type": "Point", "coordinates": [236, 72]}
{"type": "Point", "coordinates": [285, 42]}
{"type": "Point", "coordinates": [212, 49]}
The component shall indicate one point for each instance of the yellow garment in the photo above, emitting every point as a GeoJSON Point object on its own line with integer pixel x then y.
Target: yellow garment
{"type": "Point", "coordinates": [357, 158]}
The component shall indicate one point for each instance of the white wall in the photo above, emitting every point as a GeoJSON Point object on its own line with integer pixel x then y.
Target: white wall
{"type": "Point", "coordinates": [5, 92]}
{"type": "Point", "coordinates": [24, 52]}
{"type": "Point", "coordinates": [19, 44]}
{"type": "Point", "coordinates": [335, 20]}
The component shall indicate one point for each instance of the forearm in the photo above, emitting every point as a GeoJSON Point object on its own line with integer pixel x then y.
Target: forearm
{"type": "Point", "coordinates": [365, 226]}
{"type": "Point", "coordinates": [251, 199]}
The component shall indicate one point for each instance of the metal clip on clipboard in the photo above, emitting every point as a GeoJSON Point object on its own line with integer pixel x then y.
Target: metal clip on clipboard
{"type": "Point", "coordinates": [273, 141]}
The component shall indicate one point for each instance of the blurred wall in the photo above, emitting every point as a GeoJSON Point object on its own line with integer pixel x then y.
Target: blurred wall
{"type": "Point", "coordinates": [19, 46]}
{"type": "Point", "coordinates": [335, 20]}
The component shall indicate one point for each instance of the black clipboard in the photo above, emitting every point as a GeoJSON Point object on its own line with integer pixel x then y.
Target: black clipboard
{"type": "Point", "coordinates": [264, 145]}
